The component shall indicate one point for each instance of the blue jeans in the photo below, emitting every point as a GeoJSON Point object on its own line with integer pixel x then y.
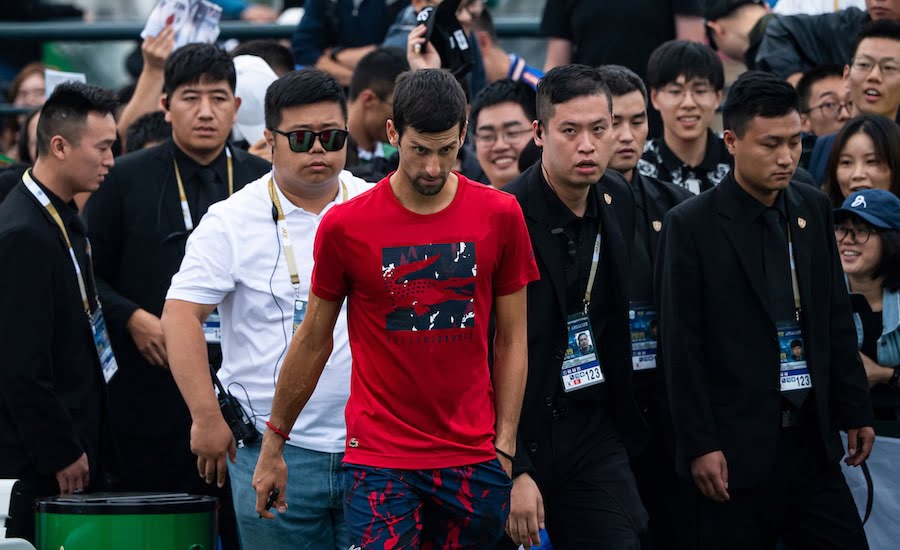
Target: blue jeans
{"type": "Point", "coordinates": [314, 519]}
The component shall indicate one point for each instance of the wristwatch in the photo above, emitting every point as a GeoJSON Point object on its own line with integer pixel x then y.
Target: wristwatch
{"type": "Point", "coordinates": [895, 378]}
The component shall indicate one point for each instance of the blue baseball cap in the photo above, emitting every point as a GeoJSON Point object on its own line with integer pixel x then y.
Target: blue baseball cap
{"type": "Point", "coordinates": [878, 207]}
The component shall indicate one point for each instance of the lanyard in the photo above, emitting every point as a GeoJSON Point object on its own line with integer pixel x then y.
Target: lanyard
{"type": "Point", "coordinates": [185, 210]}
{"type": "Point", "coordinates": [595, 261]}
{"type": "Point", "coordinates": [795, 287]}
{"type": "Point", "coordinates": [45, 202]}
{"type": "Point", "coordinates": [285, 236]}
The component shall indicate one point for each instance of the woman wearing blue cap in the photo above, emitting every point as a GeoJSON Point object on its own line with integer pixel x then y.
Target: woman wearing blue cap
{"type": "Point", "coordinates": [867, 229]}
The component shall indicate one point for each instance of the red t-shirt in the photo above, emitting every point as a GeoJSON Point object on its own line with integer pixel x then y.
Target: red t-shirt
{"type": "Point", "coordinates": [418, 310]}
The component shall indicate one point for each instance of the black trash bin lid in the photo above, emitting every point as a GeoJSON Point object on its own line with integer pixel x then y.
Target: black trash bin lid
{"type": "Point", "coordinates": [127, 503]}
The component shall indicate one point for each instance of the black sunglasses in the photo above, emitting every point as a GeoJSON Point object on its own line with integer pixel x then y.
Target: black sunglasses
{"type": "Point", "coordinates": [301, 141]}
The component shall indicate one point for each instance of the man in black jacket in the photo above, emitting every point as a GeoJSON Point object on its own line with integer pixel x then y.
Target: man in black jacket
{"type": "Point", "coordinates": [52, 394]}
{"type": "Point", "coordinates": [743, 271]}
{"type": "Point", "coordinates": [579, 415]}
{"type": "Point", "coordinates": [139, 223]}
{"type": "Point", "coordinates": [653, 198]}
{"type": "Point", "coordinates": [787, 45]}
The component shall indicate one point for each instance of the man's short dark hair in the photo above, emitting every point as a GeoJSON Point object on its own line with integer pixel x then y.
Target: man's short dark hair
{"type": "Point", "coordinates": [65, 112]}
{"type": "Point", "coordinates": [303, 87]}
{"type": "Point", "coordinates": [812, 77]}
{"type": "Point", "coordinates": [796, 344]}
{"type": "Point", "coordinates": [691, 60]}
{"type": "Point", "coordinates": [565, 83]}
{"type": "Point", "coordinates": [197, 63]}
{"type": "Point", "coordinates": [278, 57]}
{"type": "Point", "coordinates": [757, 93]}
{"type": "Point", "coordinates": [485, 23]}
{"type": "Point", "coordinates": [150, 128]}
{"type": "Point", "coordinates": [883, 28]}
{"type": "Point", "coordinates": [377, 71]}
{"type": "Point", "coordinates": [622, 80]}
{"type": "Point", "coordinates": [503, 91]}
{"type": "Point", "coordinates": [430, 101]}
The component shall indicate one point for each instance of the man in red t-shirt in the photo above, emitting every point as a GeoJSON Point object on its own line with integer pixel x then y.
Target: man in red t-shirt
{"type": "Point", "coordinates": [424, 258]}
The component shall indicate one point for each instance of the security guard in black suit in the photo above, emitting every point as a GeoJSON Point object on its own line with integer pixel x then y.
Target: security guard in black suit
{"type": "Point", "coordinates": [579, 417]}
{"type": "Point", "coordinates": [55, 351]}
{"type": "Point", "coordinates": [139, 223]}
{"type": "Point", "coordinates": [652, 199]}
{"type": "Point", "coordinates": [744, 270]}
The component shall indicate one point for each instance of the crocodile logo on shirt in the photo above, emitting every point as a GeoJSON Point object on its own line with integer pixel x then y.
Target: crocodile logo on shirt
{"type": "Point", "coordinates": [431, 286]}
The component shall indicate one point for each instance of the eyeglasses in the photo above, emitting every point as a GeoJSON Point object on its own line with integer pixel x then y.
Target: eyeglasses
{"type": "Point", "coordinates": [860, 233]}
{"type": "Point", "coordinates": [832, 109]}
{"type": "Point", "coordinates": [301, 141]}
{"type": "Point", "coordinates": [700, 94]}
{"type": "Point", "coordinates": [889, 67]}
{"type": "Point", "coordinates": [510, 137]}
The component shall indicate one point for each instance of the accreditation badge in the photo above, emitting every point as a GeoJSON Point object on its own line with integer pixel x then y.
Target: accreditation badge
{"type": "Point", "coordinates": [108, 364]}
{"type": "Point", "coordinates": [792, 354]}
{"type": "Point", "coordinates": [580, 366]}
{"type": "Point", "coordinates": [642, 325]}
{"type": "Point", "coordinates": [299, 313]}
{"type": "Point", "coordinates": [212, 328]}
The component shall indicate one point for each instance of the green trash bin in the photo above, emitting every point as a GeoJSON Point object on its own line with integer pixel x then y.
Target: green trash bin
{"type": "Point", "coordinates": [154, 521]}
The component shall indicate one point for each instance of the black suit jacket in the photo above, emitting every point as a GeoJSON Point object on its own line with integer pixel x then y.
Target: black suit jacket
{"type": "Point", "coordinates": [547, 321]}
{"type": "Point", "coordinates": [718, 336]}
{"type": "Point", "coordinates": [138, 235]}
{"type": "Point", "coordinates": [52, 394]}
{"type": "Point", "coordinates": [658, 197]}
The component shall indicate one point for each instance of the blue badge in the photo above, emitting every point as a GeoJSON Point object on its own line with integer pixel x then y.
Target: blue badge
{"type": "Point", "coordinates": [792, 355]}
{"type": "Point", "coordinates": [212, 328]}
{"type": "Point", "coordinates": [642, 325]}
{"type": "Point", "coordinates": [299, 313]}
{"type": "Point", "coordinates": [108, 363]}
{"type": "Point", "coordinates": [580, 366]}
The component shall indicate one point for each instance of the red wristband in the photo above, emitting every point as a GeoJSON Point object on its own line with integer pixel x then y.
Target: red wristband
{"type": "Point", "coordinates": [272, 427]}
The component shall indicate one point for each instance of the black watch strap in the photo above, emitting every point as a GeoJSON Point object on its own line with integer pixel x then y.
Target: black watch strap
{"type": "Point", "coordinates": [895, 378]}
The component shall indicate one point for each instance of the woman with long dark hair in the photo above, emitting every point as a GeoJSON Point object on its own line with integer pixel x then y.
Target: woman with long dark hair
{"type": "Point", "coordinates": [866, 155]}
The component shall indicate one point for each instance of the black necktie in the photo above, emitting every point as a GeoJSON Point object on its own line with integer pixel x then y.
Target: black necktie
{"type": "Point", "coordinates": [778, 281]}
{"type": "Point", "coordinates": [207, 192]}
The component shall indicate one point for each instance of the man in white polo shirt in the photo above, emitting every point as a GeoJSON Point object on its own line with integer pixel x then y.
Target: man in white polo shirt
{"type": "Point", "coordinates": [252, 257]}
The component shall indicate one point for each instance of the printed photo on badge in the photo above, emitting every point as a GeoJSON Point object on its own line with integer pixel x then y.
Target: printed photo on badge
{"type": "Point", "coordinates": [583, 344]}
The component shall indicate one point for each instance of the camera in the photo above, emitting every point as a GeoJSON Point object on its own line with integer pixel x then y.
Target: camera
{"type": "Point", "coordinates": [447, 36]}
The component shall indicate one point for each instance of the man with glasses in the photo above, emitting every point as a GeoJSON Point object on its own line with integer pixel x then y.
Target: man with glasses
{"type": "Point", "coordinates": [686, 81]}
{"type": "Point", "coordinates": [824, 102]}
{"type": "Point", "coordinates": [873, 75]}
{"type": "Point", "coordinates": [139, 222]}
{"type": "Point", "coordinates": [873, 80]}
{"type": "Point", "coordinates": [824, 105]}
{"type": "Point", "coordinates": [502, 114]}
{"type": "Point", "coordinates": [252, 256]}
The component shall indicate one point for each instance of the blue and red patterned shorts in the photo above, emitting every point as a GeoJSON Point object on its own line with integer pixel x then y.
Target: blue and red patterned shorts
{"type": "Point", "coordinates": [440, 509]}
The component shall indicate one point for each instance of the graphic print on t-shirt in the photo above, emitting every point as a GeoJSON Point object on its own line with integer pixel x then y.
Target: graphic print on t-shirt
{"type": "Point", "coordinates": [431, 286]}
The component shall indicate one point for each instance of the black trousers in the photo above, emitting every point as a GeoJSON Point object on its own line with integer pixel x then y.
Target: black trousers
{"type": "Point", "coordinates": [590, 494]}
{"type": "Point", "coordinates": [660, 490]}
{"type": "Point", "coordinates": [805, 502]}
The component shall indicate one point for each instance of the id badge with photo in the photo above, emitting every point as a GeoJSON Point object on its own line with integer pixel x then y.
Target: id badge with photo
{"type": "Point", "coordinates": [299, 313]}
{"type": "Point", "coordinates": [792, 355]}
{"type": "Point", "coordinates": [212, 328]}
{"type": "Point", "coordinates": [642, 325]}
{"type": "Point", "coordinates": [580, 367]}
{"type": "Point", "coordinates": [108, 363]}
